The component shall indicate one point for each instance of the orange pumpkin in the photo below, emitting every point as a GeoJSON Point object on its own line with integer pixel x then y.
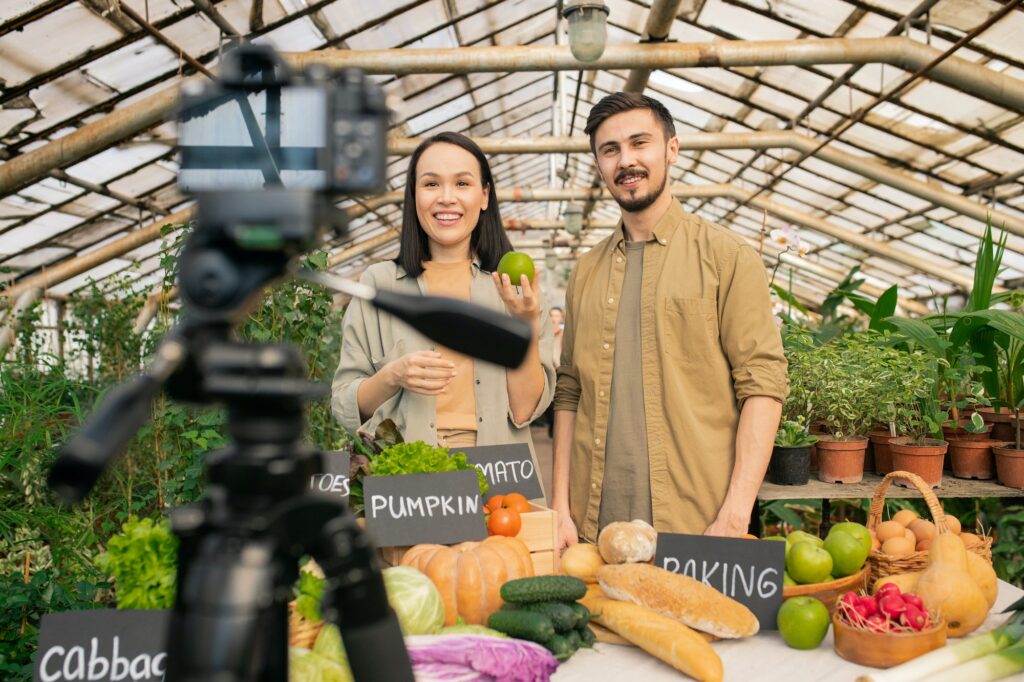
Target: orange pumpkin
{"type": "Point", "coordinates": [470, 575]}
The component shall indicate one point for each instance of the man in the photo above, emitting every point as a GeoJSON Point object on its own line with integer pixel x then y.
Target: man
{"type": "Point", "coordinates": [672, 376]}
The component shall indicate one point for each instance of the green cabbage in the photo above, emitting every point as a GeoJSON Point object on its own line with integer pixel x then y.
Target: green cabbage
{"type": "Point", "coordinates": [415, 599]}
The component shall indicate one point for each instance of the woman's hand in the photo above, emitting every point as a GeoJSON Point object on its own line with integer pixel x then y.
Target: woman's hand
{"type": "Point", "coordinates": [525, 307]}
{"type": "Point", "coordinates": [421, 372]}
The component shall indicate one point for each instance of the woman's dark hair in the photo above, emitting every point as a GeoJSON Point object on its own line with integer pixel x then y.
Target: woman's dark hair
{"type": "Point", "coordinates": [489, 241]}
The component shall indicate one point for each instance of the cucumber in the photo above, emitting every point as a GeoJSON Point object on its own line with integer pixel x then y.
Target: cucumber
{"type": "Point", "coordinates": [535, 627]}
{"type": "Point", "coordinates": [587, 637]}
{"type": "Point", "coordinates": [582, 614]}
{"type": "Point", "coordinates": [575, 639]}
{"type": "Point", "coordinates": [562, 616]}
{"type": "Point", "coordinates": [543, 588]}
{"type": "Point", "coordinates": [561, 647]}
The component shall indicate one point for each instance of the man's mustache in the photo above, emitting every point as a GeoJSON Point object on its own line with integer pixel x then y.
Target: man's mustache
{"type": "Point", "coordinates": [626, 173]}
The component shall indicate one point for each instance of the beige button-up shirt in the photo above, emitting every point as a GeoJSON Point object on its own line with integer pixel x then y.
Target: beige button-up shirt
{"type": "Point", "coordinates": [373, 338]}
{"type": "Point", "coordinates": [708, 340]}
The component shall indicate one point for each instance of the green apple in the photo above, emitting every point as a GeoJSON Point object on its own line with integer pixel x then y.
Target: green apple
{"type": "Point", "coordinates": [787, 579]}
{"type": "Point", "coordinates": [848, 553]}
{"type": "Point", "coordinates": [808, 563]}
{"type": "Point", "coordinates": [802, 622]}
{"type": "Point", "coordinates": [515, 264]}
{"type": "Point", "coordinates": [801, 536]}
{"type": "Point", "coordinates": [856, 530]}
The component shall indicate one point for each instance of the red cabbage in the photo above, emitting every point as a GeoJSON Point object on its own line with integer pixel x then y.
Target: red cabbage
{"type": "Point", "coordinates": [475, 658]}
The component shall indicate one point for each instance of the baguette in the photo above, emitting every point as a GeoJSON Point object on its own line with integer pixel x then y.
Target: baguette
{"type": "Point", "coordinates": [667, 640]}
{"type": "Point", "coordinates": [680, 598]}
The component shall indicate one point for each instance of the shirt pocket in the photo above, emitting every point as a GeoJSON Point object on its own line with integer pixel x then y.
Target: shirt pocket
{"type": "Point", "coordinates": [690, 330]}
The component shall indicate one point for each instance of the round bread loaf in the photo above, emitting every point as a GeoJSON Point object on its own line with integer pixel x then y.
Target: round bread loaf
{"type": "Point", "coordinates": [627, 542]}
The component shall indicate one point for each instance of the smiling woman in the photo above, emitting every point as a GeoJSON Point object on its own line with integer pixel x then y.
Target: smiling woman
{"type": "Point", "coordinates": [452, 241]}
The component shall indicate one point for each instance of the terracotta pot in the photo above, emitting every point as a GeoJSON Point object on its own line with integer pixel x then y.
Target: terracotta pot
{"type": "Point", "coordinates": [925, 459]}
{"type": "Point", "coordinates": [1009, 465]}
{"type": "Point", "coordinates": [883, 455]}
{"type": "Point", "coordinates": [1002, 422]}
{"type": "Point", "coordinates": [841, 461]}
{"type": "Point", "coordinates": [972, 458]}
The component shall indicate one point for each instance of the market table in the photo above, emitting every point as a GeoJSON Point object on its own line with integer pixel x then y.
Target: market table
{"type": "Point", "coordinates": [763, 658]}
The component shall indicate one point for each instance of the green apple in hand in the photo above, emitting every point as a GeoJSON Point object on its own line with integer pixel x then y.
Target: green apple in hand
{"type": "Point", "coordinates": [802, 622]}
{"type": "Point", "coordinates": [515, 264]}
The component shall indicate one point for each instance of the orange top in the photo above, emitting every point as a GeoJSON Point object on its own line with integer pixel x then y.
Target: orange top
{"type": "Point", "coordinates": [456, 407]}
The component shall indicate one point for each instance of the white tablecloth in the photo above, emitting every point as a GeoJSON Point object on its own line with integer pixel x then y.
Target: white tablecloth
{"type": "Point", "coordinates": [758, 659]}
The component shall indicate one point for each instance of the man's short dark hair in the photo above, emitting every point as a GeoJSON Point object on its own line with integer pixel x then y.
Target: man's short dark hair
{"type": "Point", "coordinates": [621, 102]}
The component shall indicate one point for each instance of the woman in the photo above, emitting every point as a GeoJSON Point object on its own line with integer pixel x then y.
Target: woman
{"type": "Point", "coordinates": [452, 240]}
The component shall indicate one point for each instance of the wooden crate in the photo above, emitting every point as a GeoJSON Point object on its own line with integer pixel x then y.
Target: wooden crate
{"type": "Point", "coordinates": [538, 533]}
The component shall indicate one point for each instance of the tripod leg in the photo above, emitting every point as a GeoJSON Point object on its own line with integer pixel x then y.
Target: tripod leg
{"type": "Point", "coordinates": [356, 601]}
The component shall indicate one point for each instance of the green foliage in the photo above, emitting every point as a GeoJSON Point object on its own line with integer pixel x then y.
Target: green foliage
{"type": "Point", "coordinates": [793, 434]}
{"type": "Point", "coordinates": [421, 458]}
{"type": "Point", "coordinates": [309, 592]}
{"type": "Point", "coordinates": [143, 559]}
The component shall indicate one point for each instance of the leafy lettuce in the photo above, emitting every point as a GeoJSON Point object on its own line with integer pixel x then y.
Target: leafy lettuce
{"type": "Point", "coordinates": [143, 559]}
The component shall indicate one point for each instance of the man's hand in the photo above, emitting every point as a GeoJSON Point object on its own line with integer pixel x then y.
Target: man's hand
{"type": "Point", "coordinates": [729, 524]}
{"type": "Point", "coordinates": [567, 533]}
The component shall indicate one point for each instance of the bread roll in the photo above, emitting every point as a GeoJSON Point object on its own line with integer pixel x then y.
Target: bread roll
{"type": "Point", "coordinates": [666, 639]}
{"type": "Point", "coordinates": [627, 542]}
{"type": "Point", "coordinates": [680, 598]}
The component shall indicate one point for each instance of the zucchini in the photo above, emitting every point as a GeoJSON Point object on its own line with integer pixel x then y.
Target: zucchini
{"type": "Point", "coordinates": [535, 627]}
{"type": "Point", "coordinates": [562, 616]}
{"type": "Point", "coordinates": [543, 588]}
{"type": "Point", "coordinates": [561, 647]}
{"type": "Point", "coordinates": [582, 613]}
{"type": "Point", "coordinates": [587, 637]}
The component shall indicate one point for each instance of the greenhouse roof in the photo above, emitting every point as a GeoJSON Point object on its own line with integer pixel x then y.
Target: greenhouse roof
{"type": "Point", "coordinates": [886, 163]}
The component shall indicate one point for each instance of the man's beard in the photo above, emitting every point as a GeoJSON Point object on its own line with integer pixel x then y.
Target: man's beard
{"type": "Point", "coordinates": [635, 205]}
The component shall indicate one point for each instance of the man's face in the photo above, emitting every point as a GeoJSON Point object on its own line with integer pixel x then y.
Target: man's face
{"type": "Point", "coordinates": [633, 158]}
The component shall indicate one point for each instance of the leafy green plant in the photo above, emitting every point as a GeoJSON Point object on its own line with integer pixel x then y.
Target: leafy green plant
{"type": "Point", "coordinates": [143, 560]}
{"type": "Point", "coordinates": [794, 434]}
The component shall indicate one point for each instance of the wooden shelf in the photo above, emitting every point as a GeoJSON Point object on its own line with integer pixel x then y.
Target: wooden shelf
{"type": "Point", "coordinates": [819, 490]}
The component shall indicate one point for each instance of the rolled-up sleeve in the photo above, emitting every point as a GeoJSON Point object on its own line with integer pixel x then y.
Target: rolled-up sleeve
{"type": "Point", "coordinates": [355, 364]}
{"type": "Point", "coordinates": [750, 336]}
{"type": "Point", "coordinates": [547, 363]}
{"type": "Point", "coordinates": [567, 388]}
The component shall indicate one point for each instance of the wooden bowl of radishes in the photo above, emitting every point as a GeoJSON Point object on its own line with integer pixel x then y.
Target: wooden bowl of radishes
{"type": "Point", "coordinates": [885, 629]}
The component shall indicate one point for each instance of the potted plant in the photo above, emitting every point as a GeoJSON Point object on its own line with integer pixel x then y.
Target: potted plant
{"type": "Point", "coordinates": [845, 375]}
{"type": "Point", "coordinates": [922, 450]}
{"type": "Point", "coordinates": [791, 457]}
{"type": "Point", "coordinates": [903, 378]}
{"type": "Point", "coordinates": [972, 458]}
{"type": "Point", "coordinates": [1010, 457]}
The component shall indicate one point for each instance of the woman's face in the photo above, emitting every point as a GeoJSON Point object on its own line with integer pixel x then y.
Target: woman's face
{"type": "Point", "coordinates": [449, 197]}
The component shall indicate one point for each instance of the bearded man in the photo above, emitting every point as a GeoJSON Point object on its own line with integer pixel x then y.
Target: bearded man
{"type": "Point", "coordinates": [672, 375]}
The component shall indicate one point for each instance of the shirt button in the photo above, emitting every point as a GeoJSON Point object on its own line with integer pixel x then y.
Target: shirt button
{"type": "Point", "coordinates": [618, 259]}
{"type": "Point", "coordinates": [481, 420]}
{"type": "Point", "coordinates": [431, 424]}
{"type": "Point", "coordinates": [607, 346]}
{"type": "Point", "coordinates": [610, 300]}
{"type": "Point", "coordinates": [597, 441]}
{"type": "Point", "coordinates": [594, 486]}
{"type": "Point", "coordinates": [478, 381]}
{"type": "Point", "coordinates": [601, 393]}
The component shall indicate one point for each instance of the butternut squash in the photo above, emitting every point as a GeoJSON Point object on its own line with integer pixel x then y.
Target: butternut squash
{"type": "Point", "coordinates": [947, 588]}
{"type": "Point", "coordinates": [582, 561]}
{"type": "Point", "coordinates": [907, 582]}
{"type": "Point", "coordinates": [984, 577]}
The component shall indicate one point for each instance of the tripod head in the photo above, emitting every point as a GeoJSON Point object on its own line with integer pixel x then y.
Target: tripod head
{"type": "Point", "coordinates": [265, 152]}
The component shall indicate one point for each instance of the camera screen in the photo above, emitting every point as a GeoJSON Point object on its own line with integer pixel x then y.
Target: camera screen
{"type": "Point", "coordinates": [251, 140]}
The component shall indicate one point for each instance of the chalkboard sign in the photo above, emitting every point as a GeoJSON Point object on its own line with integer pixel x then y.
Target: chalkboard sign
{"type": "Point", "coordinates": [414, 508]}
{"type": "Point", "coordinates": [749, 571]}
{"type": "Point", "coordinates": [334, 480]}
{"type": "Point", "coordinates": [102, 644]}
{"type": "Point", "coordinates": [507, 468]}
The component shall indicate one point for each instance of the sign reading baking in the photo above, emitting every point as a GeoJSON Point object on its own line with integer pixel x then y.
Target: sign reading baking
{"type": "Point", "coordinates": [749, 571]}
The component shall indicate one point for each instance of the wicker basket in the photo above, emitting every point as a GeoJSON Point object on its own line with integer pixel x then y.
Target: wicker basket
{"type": "Point", "coordinates": [883, 565]}
{"type": "Point", "coordinates": [301, 631]}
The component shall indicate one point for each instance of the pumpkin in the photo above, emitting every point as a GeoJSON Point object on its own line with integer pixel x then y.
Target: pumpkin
{"type": "Point", "coordinates": [470, 575]}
